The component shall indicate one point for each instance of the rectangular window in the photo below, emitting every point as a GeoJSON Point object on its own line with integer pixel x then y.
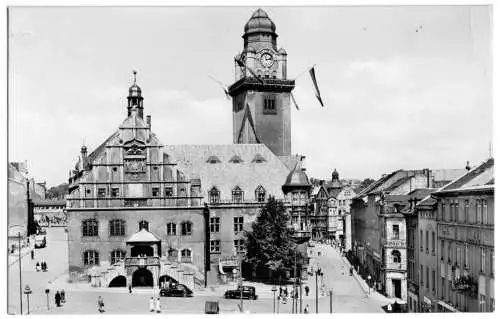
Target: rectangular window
{"type": "Point", "coordinates": [186, 229]}
{"type": "Point", "coordinates": [238, 224]}
{"type": "Point", "coordinates": [427, 241]}
{"type": "Point", "coordinates": [492, 262]}
{"type": "Point", "coordinates": [459, 255]}
{"type": "Point", "coordinates": [215, 224]}
{"type": "Point", "coordinates": [450, 213]}
{"type": "Point", "coordinates": [115, 192]}
{"type": "Point", "coordinates": [421, 275]}
{"type": "Point", "coordinates": [466, 211]}
{"type": "Point", "coordinates": [155, 191]}
{"type": "Point", "coordinates": [466, 255]}
{"type": "Point", "coordinates": [239, 246]}
{"type": "Point", "coordinates": [479, 213]}
{"type": "Point", "coordinates": [482, 303]}
{"type": "Point", "coordinates": [171, 229]}
{"type": "Point", "coordinates": [101, 192]}
{"type": "Point", "coordinates": [427, 277]}
{"type": "Point", "coordinates": [449, 252]}
{"type": "Point", "coordinates": [442, 250]}
{"type": "Point", "coordinates": [269, 105]}
{"type": "Point", "coordinates": [485, 212]}
{"type": "Point", "coordinates": [456, 211]}
{"type": "Point", "coordinates": [441, 212]}
{"type": "Point", "coordinates": [168, 192]}
{"type": "Point", "coordinates": [421, 240]}
{"type": "Point", "coordinates": [395, 231]}
{"type": "Point", "coordinates": [483, 260]}
{"type": "Point", "coordinates": [492, 304]}
{"type": "Point", "coordinates": [433, 280]}
{"type": "Point", "coordinates": [215, 246]}
{"type": "Point", "coordinates": [433, 243]}
{"type": "Point", "coordinates": [442, 288]}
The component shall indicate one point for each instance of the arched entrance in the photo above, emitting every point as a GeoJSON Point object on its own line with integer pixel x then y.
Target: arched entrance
{"type": "Point", "coordinates": [141, 250]}
{"type": "Point", "coordinates": [119, 281]}
{"type": "Point", "coordinates": [165, 281]}
{"type": "Point", "coordinates": [142, 278]}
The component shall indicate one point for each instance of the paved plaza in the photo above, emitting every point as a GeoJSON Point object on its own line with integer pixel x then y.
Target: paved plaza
{"type": "Point", "coordinates": [348, 294]}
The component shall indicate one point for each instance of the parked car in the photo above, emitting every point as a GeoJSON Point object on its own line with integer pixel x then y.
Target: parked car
{"type": "Point", "coordinates": [248, 293]}
{"type": "Point", "coordinates": [40, 241]}
{"type": "Point", "coordinates": [176, 291]}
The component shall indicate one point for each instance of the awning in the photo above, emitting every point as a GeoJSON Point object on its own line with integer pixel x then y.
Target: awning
{"type": "Point", "coordinates": [142, 236]}
{"type": "Point", "coordinates": [427, 301]}
{"type": "Point", "coordinates": [447, 306]}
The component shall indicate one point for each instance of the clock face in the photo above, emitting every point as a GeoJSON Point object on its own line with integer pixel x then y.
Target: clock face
{"type": "Point", "coordinates": [266, 60]}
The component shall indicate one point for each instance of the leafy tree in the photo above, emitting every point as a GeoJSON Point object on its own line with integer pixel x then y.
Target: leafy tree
{"type": "Point", "coordinates": [364, 184]}
{"type": "Point", "coordinates": [270, 246]}
{"type": "Point", "coordinates": [57, 192]}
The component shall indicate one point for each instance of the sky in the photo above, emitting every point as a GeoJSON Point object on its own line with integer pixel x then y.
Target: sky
{"type": "Point", "coordinates": [405, 87]}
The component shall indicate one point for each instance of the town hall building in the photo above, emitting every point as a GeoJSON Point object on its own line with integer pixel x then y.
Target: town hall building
{"type": "Point", "coordinates": [144, 213]}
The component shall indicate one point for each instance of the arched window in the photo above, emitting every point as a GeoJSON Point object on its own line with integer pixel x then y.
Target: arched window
{"type": "Point", "coordinates": [214, 195]}
{"type": "Point", "coordinates": [144, 225]}
{"type": "Point", "coordinates": [186, 255]}
{"type": "Point", "coordinates": [171, 229]}
{"type": "Point", "coordinates": [237, 195]}
{"type": "Point", "coordinates": [172, 255]}
{"type": "Point", "coordinates": [90, 257]}
{"type": "Point", "coordinates": [260, 194]}
{"type": "Point", "coordinates": [186, 228]}
{"type": "Point", "coordinates": [116, 256]}
{"type": "Point", "coordinates": [90, 227]}
{"type": "Point", "coordinates": [396, 256]}
{"type": "Point", "coordinates": [117, 227]}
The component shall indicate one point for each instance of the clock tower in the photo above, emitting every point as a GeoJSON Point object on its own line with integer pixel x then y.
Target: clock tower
{"type": "Point", "coordinates": [261, 106]}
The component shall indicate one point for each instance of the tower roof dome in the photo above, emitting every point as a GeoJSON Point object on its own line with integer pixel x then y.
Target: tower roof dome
{"type": "Point", "coordinates": [297, 177]}
{"type": "Point", "coordinates": [260, 22]}
{"type": "Point", "coordinates": [134, 90]}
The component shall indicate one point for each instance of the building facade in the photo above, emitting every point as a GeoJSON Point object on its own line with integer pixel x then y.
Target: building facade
{"type": "Point", "coordinates": [465, 242]}
{"type": "Point", "coordinates": [144, 213]}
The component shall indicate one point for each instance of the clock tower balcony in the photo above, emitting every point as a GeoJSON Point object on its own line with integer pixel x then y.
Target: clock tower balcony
{"type": "Point", "coordinates": [268, 85]}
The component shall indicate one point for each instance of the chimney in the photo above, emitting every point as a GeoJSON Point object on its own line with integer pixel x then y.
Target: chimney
{"type": "Point", "coordinates": [467, 167]}
{"type": "Point", "coordinates": [148, 120]}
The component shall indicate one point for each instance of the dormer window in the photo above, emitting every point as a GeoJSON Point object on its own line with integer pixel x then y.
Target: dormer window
{"type": "Point", "coordinates": [237, 195]}
{"type": "Point", "coordinates": [258, 159]}
{"type": "Point", "coordinates": [236, 159]}
{"type": "Point", "coordinates": [269, 104]}
{"type": "Point", "coordinates": [213, 160]}
{"type": "Point", "coordinates": [260, 194]}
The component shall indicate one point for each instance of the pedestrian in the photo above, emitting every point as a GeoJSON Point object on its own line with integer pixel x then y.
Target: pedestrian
{"type": "Point", "coordinates": [129, 288]}
{"type": "Point", "coordinates": [100, 304]}
{"type": "Point", "coordinates": [37, 266]}
{"type": "Point", "coordinates": [58, 298]}
{"type": "Point", "coordinates": [307, 290]}
{"type": "Point", "coordinates": [151, 304]}
{"type": "Point", "coordinates": [158, 305]}
{"type": "Point", "coordinates": [306, 309]}
{"type": "Point", "coordinates": [32, 254]}
{"type": "Point", "coordinates": [63, 296]}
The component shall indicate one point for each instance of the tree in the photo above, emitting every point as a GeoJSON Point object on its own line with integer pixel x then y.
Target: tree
{"type": "Point", "coordinates": [57, 192]}
{"type": "Point", "coordinates": [270, 246]}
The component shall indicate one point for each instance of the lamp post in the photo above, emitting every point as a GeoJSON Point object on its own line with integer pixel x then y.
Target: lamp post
{"type": "Point", "coordinates": [20, 276]}
{"type": "Point", "coordinates": [369, 281]}
{"type": "Point", "coordinates": [47, 293]}
{"type": "Point", "coordinates": [318, 272]}
{"type": "Point", "coordinates": [27, 292]}
{"type": "Point", "coordinates": [274, 298]}
{"type": "Point", "coordinates": [331, 301]}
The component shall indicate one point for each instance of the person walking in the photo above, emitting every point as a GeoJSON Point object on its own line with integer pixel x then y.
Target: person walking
{"type": "Point", "coordinates": [151, 304]}
{"type": "Point", "coordinates": [37, 266]}
{"type": "Point", "coordinates": [158, 305]}
{"type": "Point", "coordinates": [100, 304]}
{"type": "Point", "coordinates": [32, 254]}
{"type": "Point", "coordinates": [63, 296]}
{"type": "Point", "coordinates": [307, 290]}
{"type": "Point", "coordinates": [129, 288]}
{"type": "Point", "coordinates": [58, 298]}
{"type": "Point", "coordinates": [306, 309]}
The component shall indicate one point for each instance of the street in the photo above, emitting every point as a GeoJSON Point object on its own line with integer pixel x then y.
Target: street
{"type": "Point", "coordinates": [55, 254]}
{"type": "Point", "coordinates": [348, 296]}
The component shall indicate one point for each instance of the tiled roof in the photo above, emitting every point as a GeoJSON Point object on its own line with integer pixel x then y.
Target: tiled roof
{"type": "Point", "coordinates": [397, 183]}
{"type": "Point", "coordinates": [191, 159]}
{"type": "Point", "coordinates": [297, 177]}
{"type": "Point", "coordinates": [479, 177]}
{"type": "Point", "coordinates": [421, 192]}
{"type": "Point", "coordinates": [427, 201]}
{"type": "Point", "coordinates": [375, 185]}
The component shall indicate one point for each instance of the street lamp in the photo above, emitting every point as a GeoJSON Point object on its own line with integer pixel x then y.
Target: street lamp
{"type": "Point", "coordinates": [318, 273]}
{"type": "Point", "coordinates": [27, 292]}
{"type": "Point", "coordinates": [47, 293]}
{"type": "Point", "coordinates": [369, 281]}
{"type": "Point", "coordinates": [274, 298]}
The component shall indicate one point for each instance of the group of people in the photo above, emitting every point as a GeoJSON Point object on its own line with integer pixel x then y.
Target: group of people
{"type": "Point", "coordinates": [154, 305]}
{"type": "Point", "coordinates": [41, 266]}
{"type": "Point", "coordinates": [60, 297]}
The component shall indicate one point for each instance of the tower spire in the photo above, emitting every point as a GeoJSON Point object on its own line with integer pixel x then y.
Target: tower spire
{"type": "Point", "coordinates": [135, 99]}
{"type": "Point", "coordinates": [135, 76]}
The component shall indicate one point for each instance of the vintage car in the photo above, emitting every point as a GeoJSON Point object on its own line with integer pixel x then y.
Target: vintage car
{"type": "Point", "coordinates": [177, 290]}
{"type": "Point", "coordinates": [247, 292]}
{"type": "Point", "coordinates": [40, 241]}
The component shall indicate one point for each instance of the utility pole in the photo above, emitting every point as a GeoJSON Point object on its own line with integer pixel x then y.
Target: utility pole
{"type": "Point", "coordinates": [20, 275]}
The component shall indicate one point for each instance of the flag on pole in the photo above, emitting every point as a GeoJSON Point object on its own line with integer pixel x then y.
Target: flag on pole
{"type": "Point", "coordinates": [316, 89]}
{"type": "Point", "coordinates": [293, 100]}
{"type": "Point", "coordinates": [226, 90]}
{"type": "Point", "coordinates": [243, 66]}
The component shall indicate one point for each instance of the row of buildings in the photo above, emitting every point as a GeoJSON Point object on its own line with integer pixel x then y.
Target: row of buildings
{"type": "Point", "coordinates": [425, 237]}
